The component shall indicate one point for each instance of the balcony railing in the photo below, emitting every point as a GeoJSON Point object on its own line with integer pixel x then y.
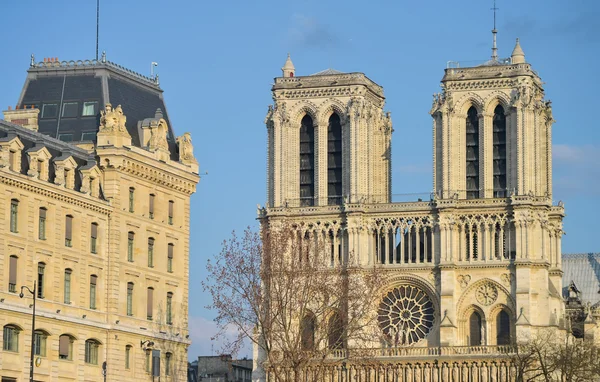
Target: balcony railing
{"type": "Point", "coordinates": [490, 350]}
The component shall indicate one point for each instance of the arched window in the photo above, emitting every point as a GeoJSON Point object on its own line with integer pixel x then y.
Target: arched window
{"type": "Point", "coordinates": [334, 160]}
{"type": "Point", "coordinates": [502, 328]}
{"type": "Point", "coordinates": [65, 347]}
{"type": "Point", "coordinates": [91, 351]}
{"type": "Point", "coordinates": [12, 274]}
{"type": "Point", "coordinates": [475, 325]}
{"type": "Point", "coordinates": [472, 155]}
{"type": "Point", "coordinates": [336, 331]}
{"type": "Point", "coordinates": [130, 242]}
{"type": "Point", "coordinates": [130, 299]}
{"type": "Point", "coordinates": [499, 143]}
{"type": "Point", "coordinates": [39, 339]}
{"type": "Point", "coordinates": [14, 215]}
{"type": "Point", "coordinates": [307, 161]}
{"type": "Point", "coordinates": [307, 332]}
{"type": "Point", "coordinates": [67, 286]}
{"type": "Point", "coordinates": [128, 350]}
{"type": "Point", "coordinates": [11, 338]}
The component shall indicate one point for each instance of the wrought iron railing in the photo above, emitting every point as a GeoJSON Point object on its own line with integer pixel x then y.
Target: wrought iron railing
{"type": "Point", "coordinates": [492, 350]}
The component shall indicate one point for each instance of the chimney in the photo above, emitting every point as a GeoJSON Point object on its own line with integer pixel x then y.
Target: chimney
{"type": "Point", "coordinates": [28, 118]}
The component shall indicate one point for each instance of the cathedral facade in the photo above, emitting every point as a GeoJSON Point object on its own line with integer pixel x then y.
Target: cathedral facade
{"type": "Point", "coordinates": [470, 270]}
{"type": "Point", "coordinates": [94, 241]}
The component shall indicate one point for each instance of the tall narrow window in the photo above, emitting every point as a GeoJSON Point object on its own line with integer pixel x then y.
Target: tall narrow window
{"type": "Point", "coordinates": [93, 281]}
{"type": "Point", "coordinates": [12, 274]}
{"type": "Point", "coordinates": [127, 356]}
{"type": "Point", "coordinates": [171, 208]}
{"type": "Point", "coordinates": [502, 328]}
{"type": "Point", "coordinates": [14, 215]}
{"type": "Point", "coordinates": [170, 257]}
{"type": "Point", "coordinates": [336, 332]}
{"type": "Point", "coordinates": [168, 366]}
{"type": "Point", "coordinates": [472, 156]}
{"type": "Point", "coordinates": [499, 142]}
{"type": "Point", "coordinates": [307, 161]}
{"type": "Point", "coordinates": [307, 332]}
{"type": "Point", "coordinates": [42, 224]}
{"type": "Point", "coordinates": [91, 351]}
{"type": "Point", "coordinates": [39, 341]}
{"type": "Point", "coordinates": [40, 280]}
{"type": "Point", "coordinates": [94, 238]}
{"type": "Point", "coordinates": [11, 338]}
{"type": "Point", "coordinates": [131, 198]}
{"type": "Point", "coordinates": [130, 299]}
{"type": "Point", "coordinates": [334, 160]}
{"type": "Point", "coordinates": [67, 290]}
{"type": "Point", "coordinates": [69, 231]}
{"type": "Point", "coordinates": [148, 360]}
{"type": "Point", "coordinates": [475, 329]}
{"type": "Point", "coordinates": [150, 252]}
{"type": "Point", "coordinates": [151, 206]}
{"type": "Point", "coordinates": [65, 347]}
{"type": "Point", "coordinates": [130, 242]}
{"type": "Point", "coordinates": [149, 303]}
{"type": "Point", "coordinates": [169, 308]}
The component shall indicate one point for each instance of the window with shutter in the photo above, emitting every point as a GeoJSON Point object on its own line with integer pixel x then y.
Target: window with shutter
{"type": "Point", "coordinates": [130, 242]}
{"type": "Point", "coordinates": [42, 224]}
{"type": "Point", "coordinates": [171, 207]}
{"type": "Point", "coordinates": [14, 215]}
{"type": "Point", "coordinates": [12, 274]}
{"type": "Point", "coordinates": [151, 206]}
{"type": "Point", "coordinates": [130, 299]}
{"type": "Point", "coordinates": [93, 281]}
{"type": "Point", "coordinates": [94, 238]}
{"type": "Point", "coordinates": [170, 258]}
{"type": "Point", "coordinates": [69, 231]}
{"type": "Point", "coordinates": [149, 303]}
{"type": "Point", "coordinates": [65, 347]}
{"type": "Point", "coordinates": [67, 289]}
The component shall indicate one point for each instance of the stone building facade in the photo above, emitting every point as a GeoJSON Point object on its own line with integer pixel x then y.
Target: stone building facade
{"type": "Point", "coordinates": [95, 201]}
{"type": "Point", "coordinates": [483, 255]}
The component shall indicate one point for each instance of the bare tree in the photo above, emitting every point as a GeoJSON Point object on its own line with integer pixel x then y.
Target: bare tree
{"type": "Point", "coordinates": [281, 290]}
{"type": "Point", "coordinates": [550, 357]}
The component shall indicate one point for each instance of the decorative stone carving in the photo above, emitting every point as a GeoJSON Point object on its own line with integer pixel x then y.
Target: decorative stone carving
{"type": "Point", "coordinates": [486, 294]}
{"type": "Point", "coordinates": [463, 280]}
{"type": "Point", "coordinates": [506, 278]}
{"type": "Point", "coordinates": [158, 137]}
{"type": "Point", "coordinates": [112, 120]}
{"type": "Point", "coordinates": [112, 129]}
{"type": "Point", "coordinates": [186, 150]}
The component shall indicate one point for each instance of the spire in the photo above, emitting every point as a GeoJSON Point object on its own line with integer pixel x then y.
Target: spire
{"type": "Point", "coordinates": [517, 56]}
{"type": "Point", "coordinates": [288, 68]}
{"type": "Point", "coordinates": [494, 32]}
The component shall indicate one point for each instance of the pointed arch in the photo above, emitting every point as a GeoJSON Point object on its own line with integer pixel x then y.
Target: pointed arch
{"type": "Point", "coordinates": [302, 109]}
{"type": "Point", "coordinates": [470, 100]}
{"type": "Point", "coordinates": [496, 98]}
{"type": "Point", "coordinates": [307, 161]}
{"type": "Point", "coordinates": [308, 327]}
{"type": "Point", "coordinates": [329, 107]}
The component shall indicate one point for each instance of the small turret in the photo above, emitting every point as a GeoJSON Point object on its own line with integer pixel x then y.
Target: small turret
{"type": "Point", "coordinates": [517, 56]}
{"type": "Point", "coordinates": [288, 68]}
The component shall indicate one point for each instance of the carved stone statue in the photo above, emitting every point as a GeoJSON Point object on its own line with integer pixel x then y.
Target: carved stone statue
{"type": "Point", "coordinates": [158, 138]}
{"type": "Point", "coordinates": [112, 120]}
{"type": "Point", "coordinates": [186, 150]}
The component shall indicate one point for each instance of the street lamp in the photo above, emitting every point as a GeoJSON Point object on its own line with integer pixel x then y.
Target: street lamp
{"type": "Point", "coordinates": [33, 293]}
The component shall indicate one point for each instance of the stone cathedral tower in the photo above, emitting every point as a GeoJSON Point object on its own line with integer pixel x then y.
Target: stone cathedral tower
{"type": "Point", "coordinates": [483, 253]}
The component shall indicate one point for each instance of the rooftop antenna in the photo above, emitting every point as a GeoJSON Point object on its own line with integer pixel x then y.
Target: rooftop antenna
{"type": "Point", "coordinates": [494, 32]}
{"type": "Point", "coordinates": [152, 65]}
{"type": "Point", "coordinates": [97, 25]}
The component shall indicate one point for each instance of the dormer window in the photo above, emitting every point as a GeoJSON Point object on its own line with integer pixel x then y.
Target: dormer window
{"type": "Point", "coordinates": [70, 109]}
{"type": "Point", "coordinates": [49, 110]}
{"type": "Point", "coordinates": [90, 108]}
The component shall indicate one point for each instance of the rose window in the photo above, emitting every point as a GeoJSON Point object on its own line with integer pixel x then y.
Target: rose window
{"type": "Point", "coordinates": [406, 315]}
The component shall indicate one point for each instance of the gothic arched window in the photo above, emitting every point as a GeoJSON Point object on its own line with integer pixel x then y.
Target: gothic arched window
{"type": "Point", "coordinates": [472, 155]}
{"type": "Point", "coordinates": [502, 328]}
{"type": "Point", "coordinates": [499, 142]}
{"type": "Point", "coordinates": [334, 160]}
{"type": "Point", "coordinates": [307, 161]}
{"type": "Point", "coordinates": [307, 332]}
{"type": "Point", "coordinates": [475, 329]}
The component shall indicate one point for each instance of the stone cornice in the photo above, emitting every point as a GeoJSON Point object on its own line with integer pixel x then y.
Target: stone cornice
{"type": "Point", "coordinates": [339, 80]}
{"type": "Point", "coordinates": [61, 194]}
{"type": "Point", "coordinates": [141, 166]}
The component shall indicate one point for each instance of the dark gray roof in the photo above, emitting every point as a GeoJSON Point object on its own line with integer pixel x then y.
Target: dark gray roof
{"type": "Point", "coordinates": [327, 72]}
{"type": "Point", "coordinates": [584, 270]}
{"type": "Point", "coordinates": [58, 83]}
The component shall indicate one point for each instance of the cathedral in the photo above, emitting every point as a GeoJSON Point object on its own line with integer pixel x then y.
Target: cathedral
{"type": "Point", "coordinates": [469, 271]}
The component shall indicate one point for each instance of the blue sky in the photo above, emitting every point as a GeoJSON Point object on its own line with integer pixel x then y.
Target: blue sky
{"type": "Point", "coordinates": [217, 61]}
